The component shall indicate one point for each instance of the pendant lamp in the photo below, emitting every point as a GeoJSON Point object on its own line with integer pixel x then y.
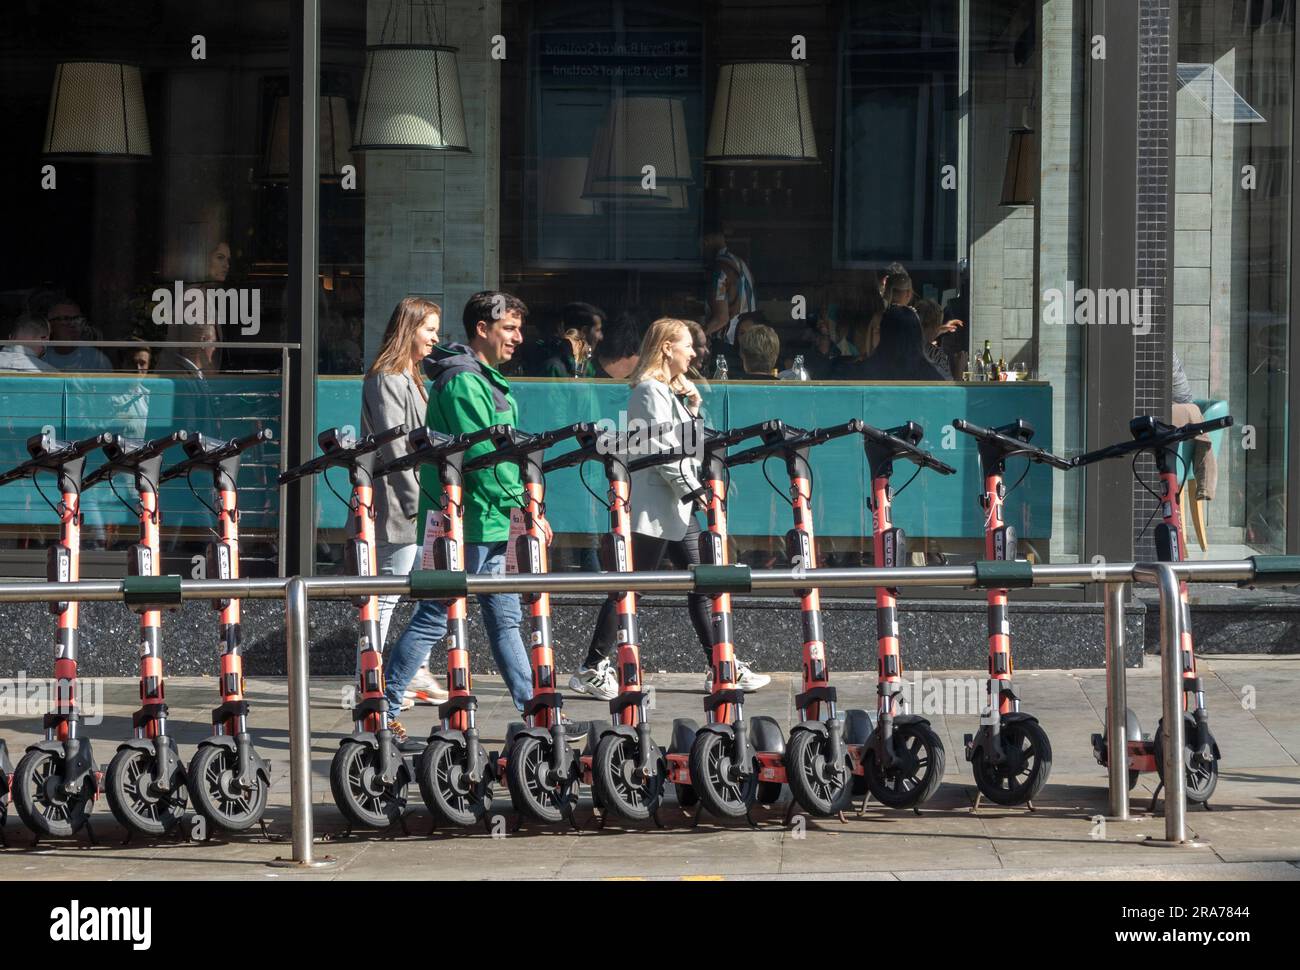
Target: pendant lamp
{"type": "Point", "coordinates": [410, 94]}
{"type": "Point", "coordinates": [761, 116]}
{"type": "Point", "coordinates": [335, 137]}
{"type": "Point", "coordinates": [96, 112]}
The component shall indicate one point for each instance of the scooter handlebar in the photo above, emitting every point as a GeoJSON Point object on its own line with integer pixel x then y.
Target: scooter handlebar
{"type": "Point", "coordinates": [340, 449]}
{"type": "Point", "coordinates": [1012, 446]}
{"type": "Point", "coordinates": [1153, 442]}
{"type": "Point", "coordinates": [522, 443]}
{"type": "Point", "coordinates": [203, 452]}
{"type": "Point", "coordinates": [903, 448]}
{"type": "Point", "coordinates": [427, 447]}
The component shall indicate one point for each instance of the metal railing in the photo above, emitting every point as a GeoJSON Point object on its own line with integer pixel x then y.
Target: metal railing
{"type": "Point", "coordinates": [298, 591]}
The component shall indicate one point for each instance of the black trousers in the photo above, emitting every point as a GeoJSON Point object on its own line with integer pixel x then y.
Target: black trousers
{"type": "Point", "coordinates": [648, 553]}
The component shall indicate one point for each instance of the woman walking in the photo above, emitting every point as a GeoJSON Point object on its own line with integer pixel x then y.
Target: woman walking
{"type": "Point", "coordinates": [664, 398]}
{"type": "Point", "coordinates": [393, 394]}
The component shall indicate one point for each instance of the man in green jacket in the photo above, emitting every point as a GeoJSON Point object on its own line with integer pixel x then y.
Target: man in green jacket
{"type": "Point", "coordinates": [469, 394]}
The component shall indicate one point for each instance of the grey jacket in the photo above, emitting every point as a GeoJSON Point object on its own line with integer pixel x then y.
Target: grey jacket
{"type": "Point", "coordinates": [388, 400]}
{"type": "Point", "coordinates": [657, 492]}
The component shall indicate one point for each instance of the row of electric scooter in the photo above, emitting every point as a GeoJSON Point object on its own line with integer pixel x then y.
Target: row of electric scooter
{"type": "Point", "coordinates": [725, 766]}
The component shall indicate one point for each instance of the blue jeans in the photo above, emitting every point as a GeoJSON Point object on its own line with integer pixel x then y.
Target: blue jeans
{"type": "Point", "coordinates": [428, 626]}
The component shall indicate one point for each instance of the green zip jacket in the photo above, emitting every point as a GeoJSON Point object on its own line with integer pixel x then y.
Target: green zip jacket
{"type": "Point", "coordinates": [469, 395]}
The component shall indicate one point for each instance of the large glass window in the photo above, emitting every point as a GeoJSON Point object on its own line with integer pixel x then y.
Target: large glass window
{"type": "Point", "coordinates": [144, 259]}
{"type": "Point", "coordinates": [1233, 263]}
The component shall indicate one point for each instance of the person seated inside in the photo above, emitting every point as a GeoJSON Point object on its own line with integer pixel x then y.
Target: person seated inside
{"type": "Point", "coordinates": [619, 349]}
{"type": "Point", "coordinates": [569, 351]}
{"type": "Point", "coordinates": [898, 289]}
{"type": "Point", "coordinates": [23, 353]}
{"type": "Point", "coordinates": [760, 347]}
{"type": "Point", "coordinates": [882, 278]}
{"type": "Point", "coordinates": [900, 355]}
{"type": "Point", "coordinates": [933, 326]}
{"type": "Point", "coordinates": [67, 323]}
{"type": "Point", "coordinates": [864, 337]}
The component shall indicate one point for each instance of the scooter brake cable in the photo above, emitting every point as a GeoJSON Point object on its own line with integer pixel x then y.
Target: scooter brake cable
{"type": "Point", "coordinates": [202, 501]}
{"type": "Point", "coordinates": [582, 477]}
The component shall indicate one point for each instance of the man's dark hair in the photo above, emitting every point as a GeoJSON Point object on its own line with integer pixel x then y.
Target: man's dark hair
{"type": "Point", "coordinates": [490, 305]}
{"type": "Point", "coordinates": [580, 316]}
{"type": "Point", "coordinates": [622, 337]}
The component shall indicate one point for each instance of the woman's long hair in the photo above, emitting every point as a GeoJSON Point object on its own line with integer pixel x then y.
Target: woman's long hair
{"type": "Point", "coordinates": [394, 355]}
{"type": "Point", "coordinates": [653, 364]}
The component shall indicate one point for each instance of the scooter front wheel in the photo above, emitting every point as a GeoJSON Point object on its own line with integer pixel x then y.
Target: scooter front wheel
{"type": "Point", "coordinates": [616, 783]}
{"type": "Point", "coordinates": [42, 804]}
{"type": "Point", "coordinates": [217, 793]}
{"type": "Point", "coordinates": [527, 771]}
{"type": "Point", "coordinates": [447, 790]}
{"type": "Point", "coordinates": [1201, 777]}
{"type": "Point", "coordinates": [1022, 773]}
{"type": "Point", "coordinates": [811, 777]}
{"type": "Point", "coordinates": [135, 801]}
{"type": "Point", "coordinates": [916, 772]}
{"type": "Point", "coordinates": [361, 795]}
{"type": "Point", "coordinates": [711, 765]}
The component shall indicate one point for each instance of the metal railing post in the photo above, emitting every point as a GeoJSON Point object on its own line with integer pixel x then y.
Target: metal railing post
{"type": "Point", "coordinates": [300, 794]}
{"type": "Point", "coordinates": [1116, 702]}
{"type": "Point", "coordinates": [1171, 680]}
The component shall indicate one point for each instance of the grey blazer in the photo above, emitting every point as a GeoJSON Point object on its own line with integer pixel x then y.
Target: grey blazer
{"type": "Point", "coordinates": [388, 400]}
{"type": "Point", "coordinates": [657, 492]}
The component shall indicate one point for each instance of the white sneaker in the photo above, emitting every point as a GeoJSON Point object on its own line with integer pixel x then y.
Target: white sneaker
{"type": "Point", "coordinates": [424, 689]}
{"type": "Point", "coordinates": [598, 681]}
{"type": "Point", "coordinates": [746, 679]}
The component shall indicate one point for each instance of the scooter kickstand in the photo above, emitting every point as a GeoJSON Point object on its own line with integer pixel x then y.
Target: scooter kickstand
{"type": "Point", "coordinates": [1155, 796]}
{"type": "Point", "coordinates": [659, 824]}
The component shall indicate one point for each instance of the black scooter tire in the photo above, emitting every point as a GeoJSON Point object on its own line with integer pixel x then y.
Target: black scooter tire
{"type": "Point", "coordinates": [922, 750]}
{"type": "Point", "coordinates": [1200, 780]}
{"type": "Point", "coordinates": [211, 773]}
{"type": "Point", "coordinates": [529, 756]}
{"type": "Point", "coordinates": [994, 782]}
{"type": "Point", "coordinates": [613, 785]}
{"type": "Point", "coordinates": [710, 754]}
{"type": "Point", "coordinates": [47, 813]}
{"type": "Point", "coordinates": [350, 770]}
{"type": "Point", "coordinates": [438, 772]}
{"type": "Point", "coordinates": [133, 806]}
{"type": "Point", "coordinates": [805, 763]}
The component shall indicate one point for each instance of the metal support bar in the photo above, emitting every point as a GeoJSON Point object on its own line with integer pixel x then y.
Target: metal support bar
{"type": "Point", "coordinates": [1165, 577]}
{"type": "Point", "coordinates": [1116, 702]}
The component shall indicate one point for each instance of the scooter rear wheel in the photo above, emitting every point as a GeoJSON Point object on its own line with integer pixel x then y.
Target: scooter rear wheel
{"type": "Point", "coordinates": [526, 768]}
{"type": "Point", "coordinates": [614, 780]}
{"type": "Point", "coordinates": [358, 792]}
{"type": "Point", "coordinates": [449, 795]}
{"type": "Point", "coordinates": [129, 784]}
{"type": "Point", "coordinates": [218, 796]}
{"type": "Point", "coordinates": [1027, 761]}
{"type": "Point", "coordinates": [42, 805]}
{"type": "Point", "coordinates": [710, 764]}
{"type": "Point", "coordinates": [812, 782]}
{"type": "Point", "coordinates": [917, 771]}
{"type": "Point", "coordinates": [1201, 778]}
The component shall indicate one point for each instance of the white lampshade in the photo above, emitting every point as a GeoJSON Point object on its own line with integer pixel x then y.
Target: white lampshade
{"type": "Point", "coordinates": [97, 111]}
{"type": "Point", "coordinates": [410, 100]}
{"type": "Point", "coordinates": [645, 131]}
{"type": "Point", "coordinates": [761, 116]}
{"type": "Point", "coordinates": [335, 137]}
{"type": "Point", "coordinates": [618, 191]}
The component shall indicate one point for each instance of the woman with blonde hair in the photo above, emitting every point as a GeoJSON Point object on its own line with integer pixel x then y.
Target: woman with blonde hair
{"type": "Point", "coordinates": [662, 400]}
{"type": "Point", "coordinates": [393, 393]}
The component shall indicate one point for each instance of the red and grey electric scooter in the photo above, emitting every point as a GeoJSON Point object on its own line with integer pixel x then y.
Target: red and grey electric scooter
{"type": "Point", "coordinates": [369, 774]}
{"type": "Point", "coordinates": [623, 765]}
{"type": "Point", "coordinates": [816, 764]}
{"type": "Point", "coordinates": [57, 780]}
{"type": "Point", "coordinates": [454, 772]}
{"type": "Point", "coordinates": [902, 761]}
{"type": "Point", "coordinates": [1201, 758]}
{"type": "Point", "coordinates": [146, 780]}
{"type": "Point", "coordinates": [541, 770]}
{"type": "Point", "coordinates": [1010, 755]}
{"type": "Point", "coordinates": [228, 780]}
{"type": "Point", "coordinates": [723, 746]}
